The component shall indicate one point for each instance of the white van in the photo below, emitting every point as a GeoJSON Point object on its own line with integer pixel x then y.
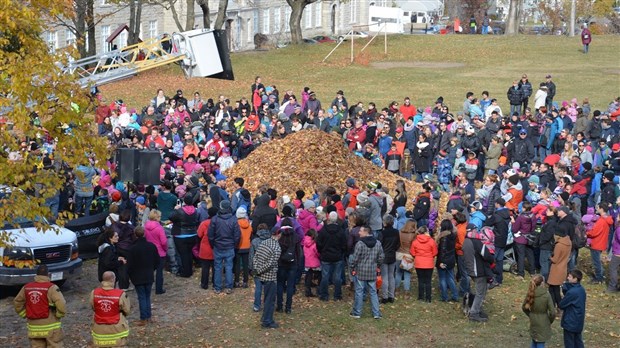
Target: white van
{"type": "Point", "coordinates": [56, 247]}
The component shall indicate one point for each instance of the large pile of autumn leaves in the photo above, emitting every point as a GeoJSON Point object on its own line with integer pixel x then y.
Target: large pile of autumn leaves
{"type": "Point", "coordinates": [309, 160]}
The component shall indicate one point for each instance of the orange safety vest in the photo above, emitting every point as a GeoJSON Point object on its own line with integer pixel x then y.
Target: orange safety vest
{"type": "Point", "coordinates": [517, 197]}
{"type": "Point", "coordinates": [37, 304]}
{"type": "Point", "coordinates": [107, 306]}
{"type": "Point", "coordinates": [353, 192]}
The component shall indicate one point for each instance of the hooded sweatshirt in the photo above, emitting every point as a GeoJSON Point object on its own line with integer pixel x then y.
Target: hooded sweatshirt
{"type": "Point", "coordinates": [600, 233]}
{"type": "Point", "coordinates": [246, 233]}
{"type": "Point", "coordinates": [424, 249]}
{"type": "Point", "coordinates": [261, 235]}
{"type": "Point", "coordinates": [311, 254]}
{"type": "Point", "coordinates": [401, 218]}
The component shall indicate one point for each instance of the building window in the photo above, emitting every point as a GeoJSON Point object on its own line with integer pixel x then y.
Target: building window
{"type": "Point", "coordinates": [249, 27]}
{"type": "Point", "coordinates": [277, 19]}
{"type": "Point", "coordinates": [152, 29]}
{"type": "Point", "coordinates": [52, 41]}
{"type": "Point", "coordinates": [266, 21]}
{"type": "Point", "coordinates": [353, 11]}
{"type": "Point", "coordinates": [122, 39]}
{"type": "Point", "coordinates": [287, 19]}
{"type": "Point", "coordinates": [308, 15]}
{"type": "Point", "coordinates": [105, 32]}
{"type": "Point", "coordinates": [318, 14]}
{"type": "Point", "coordinates": [69, 38]}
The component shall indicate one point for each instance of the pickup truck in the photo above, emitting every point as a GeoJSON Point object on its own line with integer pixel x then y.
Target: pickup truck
{"type": "Point", "coordinates": [56, 247]}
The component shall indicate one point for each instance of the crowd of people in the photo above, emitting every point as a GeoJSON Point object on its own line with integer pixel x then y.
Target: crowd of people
{"type": "Point", "coordinates": [538, 182]}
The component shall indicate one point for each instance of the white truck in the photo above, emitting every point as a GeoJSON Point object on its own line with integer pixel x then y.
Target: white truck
{"type": "Point", "coordinates": [23, 248]}
{"type": "Point", "coordinates": [57, 248]}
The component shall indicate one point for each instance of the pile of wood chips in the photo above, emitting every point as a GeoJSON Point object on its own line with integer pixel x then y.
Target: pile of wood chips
{"type": "Point", "coordinates": [310, 159]}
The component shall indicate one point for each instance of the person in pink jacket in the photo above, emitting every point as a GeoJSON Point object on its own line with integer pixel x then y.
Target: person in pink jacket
{"type": "Point", "coordinates": [424, 249]}
{"type": "Point", "coordinates": [307, 217]}
{"type": "Point", "coordinates": [312, 262]}
{"type": "Point", "coordinates": [154, 233]}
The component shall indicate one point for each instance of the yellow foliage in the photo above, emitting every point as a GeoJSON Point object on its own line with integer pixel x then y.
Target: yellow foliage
{"type": "Point", "coordinates": [31, 81]}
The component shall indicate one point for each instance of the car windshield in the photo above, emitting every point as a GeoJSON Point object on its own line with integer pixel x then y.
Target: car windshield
{"type": "Point", "coordinates": [21, 223]}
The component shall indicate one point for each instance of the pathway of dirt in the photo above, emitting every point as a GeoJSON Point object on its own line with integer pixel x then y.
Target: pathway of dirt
{"type": "Point", "coordinates": [423, 65]}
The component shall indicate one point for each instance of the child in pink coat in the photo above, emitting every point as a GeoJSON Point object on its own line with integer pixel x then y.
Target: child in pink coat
{"type": "Point", "coordinates": [312, 262]}
{"type": "Point", "coordinates": [588, 221]}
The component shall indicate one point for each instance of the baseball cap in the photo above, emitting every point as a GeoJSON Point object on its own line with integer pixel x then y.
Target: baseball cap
{"type": "Point", "coordinates": [471, 227]}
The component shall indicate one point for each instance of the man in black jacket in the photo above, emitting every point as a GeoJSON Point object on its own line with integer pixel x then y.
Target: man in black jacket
{"type": "Point", "coordinates": [499, 222]}
{"type": "Point", "coordinates": [521, 149]}
{"type": "Point", "coordinates": [143, 261]}
{"type": "Point", "coordinates": [515, 97]}
{"type": "Point", "coordinates": [566, 227]}
{"type": "Point", "coordinates": [526, 87]}
{"type": "Point", "coordinates": [550, 92]}
{"type": "Point", "coordinates": [332, 246]}
{"type": "Point", "coordinates": [390, 241]}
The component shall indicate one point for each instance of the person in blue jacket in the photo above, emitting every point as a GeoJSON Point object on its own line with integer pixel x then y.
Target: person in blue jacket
{"type": "Point", "coordinates": [574, 307]}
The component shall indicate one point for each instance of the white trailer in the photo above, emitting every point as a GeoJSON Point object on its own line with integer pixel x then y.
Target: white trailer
{"type": "Point", "coordinates": [390, 17]}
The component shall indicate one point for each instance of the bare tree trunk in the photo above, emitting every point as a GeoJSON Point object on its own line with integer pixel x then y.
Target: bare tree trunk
{"type": "Point", "coordinates": [189, 21]}
{"type": "Point", "coordinates": [221, 14]}
{"type": "Point", "coordinates": [512, 23]}
{"type": "Point", "coordinates": [175, 16]}
{"type": "Point", "coordinates": [90, 24]}
{"type": "Point", "coordinates": [572, 18]}
{"type": "Point", "coordinates": [80, 26]}
{"type": "Point", "coordinates": [297, 11]}
{"type": "Point", "coordinates": [204, 6]}
{"type": "Point", "coordinates": [135, 20]}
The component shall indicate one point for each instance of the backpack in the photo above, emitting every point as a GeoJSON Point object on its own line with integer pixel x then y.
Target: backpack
{"type": "Point", "coordinates": [289, 255]}
{"type": "Point", "coordinates": [579, 238]}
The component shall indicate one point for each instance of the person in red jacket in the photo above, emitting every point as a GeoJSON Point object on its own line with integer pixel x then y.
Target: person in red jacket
{"type": "Point", "coordinates": [599, 235]}
{"type": "Point", "coordinates": [205, 253]}
{"type": "Point", "coordinates": [424, 249]}
{"type": "Point", "coordinates": [407, 109]}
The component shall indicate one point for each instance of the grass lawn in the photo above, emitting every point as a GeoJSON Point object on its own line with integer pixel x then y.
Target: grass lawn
{"type": "Point", "coordinates": [188, 316]}
{"type": "Point", "coordinates": [477, 63]}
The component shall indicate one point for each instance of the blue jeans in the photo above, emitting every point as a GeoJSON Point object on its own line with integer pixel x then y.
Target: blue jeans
{"type": "Point", "coordinates": [515, 108]}
{"type": "Point", "coordinates": [220, 257]}
{"type": "Point", "coordinates": [572, 339]}
{"type": "Point", "coordinates": [159, 276]}
{"type": "Point", "coordinates": [596, 263]}
{"type": "Point", "coordinates": [537, 344]}
{"type": "Point", "coordinates": [403, 276]}
{"type": "Point", "coordinates": [269, 288]}
{"type": "Point", "coordinates": [464, 283]}
{"type": "Point", "coordinates": [572, 260]}
{"type": "Point", "coordinates": [499, 264]}
{"type": "Point", "coordinates": [331, 271]}
{"type": "Point", "coordinates": [286, 279]}
{"type": "Point", "coordinates": [545, 264]}
{"type": "Point", "coordinates": [585, 48]}
{"type": "Point", "coordinates": [144, 300]}
{"type": "Point", "coordinates": [446, 280]}
{"type": "Point", "coordinates": [485, 29]}
{"type": "Point", "coordinates": [258, 290]}
{"type": "Point", "coordinates": [371, 289]}
{"type": "Point", "coordinates": [82, 205]}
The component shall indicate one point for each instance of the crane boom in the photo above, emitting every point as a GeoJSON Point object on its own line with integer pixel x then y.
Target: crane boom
{"type": "Point", "coordinates": [195, 50]}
